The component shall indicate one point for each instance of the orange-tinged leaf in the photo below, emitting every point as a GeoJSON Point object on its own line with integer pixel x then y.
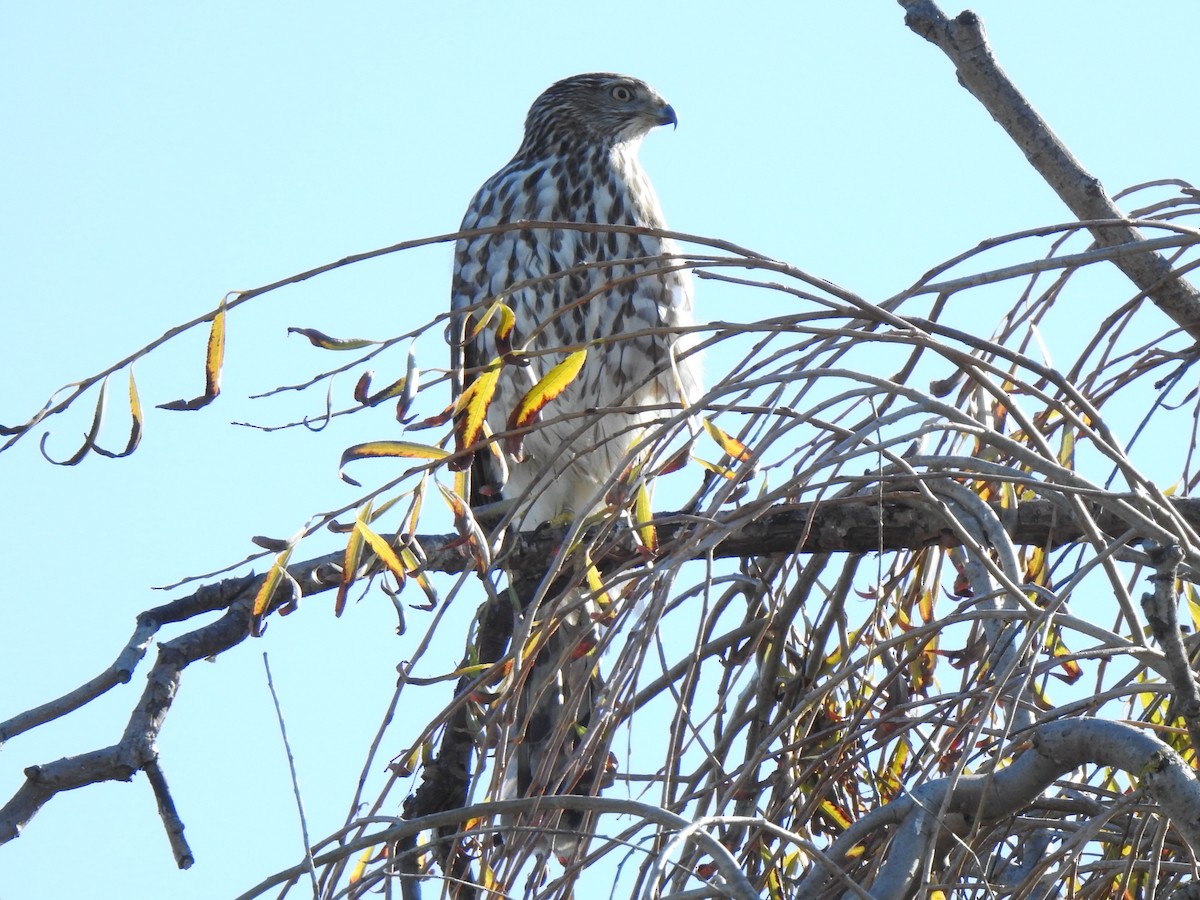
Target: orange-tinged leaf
{"type": "Point", "coordinates": [480, 322]}
{"type": "Point", "coordinates": [676, 461]}
{"type": "Point", "coordinates": [1071, 670]}
{"type": "Point", "coordinates": [404, 449]}
{"type": "Point", "coordinates": [890, 778]}
{"type": "Point", "coordinates": [325, 342]}
{"type": "Point", "coordinates": [267, 590]}
{"type": "Point", "coordinates": [435, 421]}
{"type": "Point", "coordinates": [383, 550]}
{"type": "Point", "coordinates": [360, 867]}
{"type": "Point", "coordinates": [925, 606]}
{"type": "Point", "coordinates": [836, 813]}
{"type": "Point", "coordinates": [362, 388]}
{"type": "Point", "coordinates": [471, 411]}
{"type": "Point", "coordinates": [504, 327]}
{"type": "Point", "coordinates": [405, 387]}
{"type": "Point", "coordinates": [727, 442]}
{"type": "Point", "coordinates": [549, 386]}
{"type": "Point", "coordinates": [460, 483]}
{"type": "Point", "coordinates": [214, 357]}
{"type": "Point", "coordinates": [454, 500]}
{"type": "Point", "coordinates": [389, 449]}
{"type": "Point", "coordinates": [1035, 566]}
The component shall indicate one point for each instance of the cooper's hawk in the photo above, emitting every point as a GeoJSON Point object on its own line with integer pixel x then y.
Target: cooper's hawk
{"type": "Point", "coordinates": [621, 296]}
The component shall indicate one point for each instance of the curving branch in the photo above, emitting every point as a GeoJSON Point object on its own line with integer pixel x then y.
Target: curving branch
{"type": "Point", "coordinates": [1057, 748]}
{"type": "Point", "coordinates": [856, 525]}
{"type": "Point", "coordinates": [1161, 607]}
{"type": "Point", "coordinates": [136, 751]}
{"type": "Point", "coordinates": [962, 39]}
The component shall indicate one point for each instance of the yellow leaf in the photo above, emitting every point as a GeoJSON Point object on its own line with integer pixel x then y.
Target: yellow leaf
{"type": "Point", "coordinates": [549, 386]}
{"type": "Point", "coordinates": [389, 449]}
{"type": "Point", "coordinates": [418, 501]}
{"type": "Point", "coordinates": [405, 449]}
{"type": "Point", "coordinates": [596, 583]}
{"type": "Point", "coordinates": [383, 550]}
{"type": "Point", "coordinates": [725, 472]}
{"type": "Point", "coordinates": [214, 357]}
{"type": "Point", "coordinates": [641, 518]}
{"type": "Point", "coordinates": [135, 429]}
{"type": "Point", "coordinates": [925, 606]}
{"type": "Point", "coordinates": [360, 867]}
{"type": "Point", "coordinates": [1035, 566]}
{"type": "Point", "coordinates": [836, 813]}
{"type": "Point", "coordinates": [267, 590]}
{"type": "Point", "coordinates": [727, 442]}
{"type": "Point", "coordinates": [1066, 453]}
{"type": "Point", "coordinates": [503, 328]}
{"type": "Point", "coordinates": [351, 558]}
{"type": "Point", "coordinates": [471, 411]}
{"type": "Point", "coordinates": [135, 410]}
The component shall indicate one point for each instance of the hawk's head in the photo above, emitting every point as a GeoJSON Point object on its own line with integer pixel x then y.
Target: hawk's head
{"type": "Point", "coordinates": [601, 108]}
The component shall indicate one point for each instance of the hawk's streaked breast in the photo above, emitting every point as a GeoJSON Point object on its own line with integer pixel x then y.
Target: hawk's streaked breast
{"type": "Point", "coordinates": [578, 163]}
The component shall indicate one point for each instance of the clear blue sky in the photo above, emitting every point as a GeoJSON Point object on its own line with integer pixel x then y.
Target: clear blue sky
{"type": "Point", "coordinates": [158, 155]}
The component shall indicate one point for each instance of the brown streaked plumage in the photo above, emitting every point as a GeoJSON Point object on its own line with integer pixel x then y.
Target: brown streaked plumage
{"type": "Point", "coordinates": [577, 163]}
{"type": "Point", "coordinates": [622, 296]}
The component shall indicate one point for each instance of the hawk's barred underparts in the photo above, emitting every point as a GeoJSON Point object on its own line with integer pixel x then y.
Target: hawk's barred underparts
{"type": "Point", "coordinates": [625, 298]}
{"type": "Point", "coordinates": [620, 295]}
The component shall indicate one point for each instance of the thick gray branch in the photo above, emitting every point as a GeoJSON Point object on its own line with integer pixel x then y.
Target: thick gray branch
{"type": "Point", "coordinates": [136, 750]}
{"type": "Point", "coordinates": [962, 39]}
{"type": "Point", "coordinates": [1058, 747]}
{"type": "Point", "coordinates": [1162, 614]}
{"type": "Point", "coordinates": [855, 525]}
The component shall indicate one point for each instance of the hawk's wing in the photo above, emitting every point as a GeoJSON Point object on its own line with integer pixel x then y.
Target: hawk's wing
{"type": "Point", "coordinates": [464, 366]}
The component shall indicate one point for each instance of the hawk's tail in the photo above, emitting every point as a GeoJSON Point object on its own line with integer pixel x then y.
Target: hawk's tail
{"type": "Point", "coordinates": [556, 741]}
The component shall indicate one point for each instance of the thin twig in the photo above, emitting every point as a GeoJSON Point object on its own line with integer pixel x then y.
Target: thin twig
{"type": "Point", "coordinates": [287, 748]}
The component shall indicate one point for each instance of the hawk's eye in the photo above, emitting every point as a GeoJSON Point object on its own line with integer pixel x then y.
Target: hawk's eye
{"type": "Point", "coordinates": [622, 93]}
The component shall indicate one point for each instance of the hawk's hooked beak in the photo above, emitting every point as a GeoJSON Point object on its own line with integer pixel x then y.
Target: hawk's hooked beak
{"type": "Point", "coordinates": [666, 116]}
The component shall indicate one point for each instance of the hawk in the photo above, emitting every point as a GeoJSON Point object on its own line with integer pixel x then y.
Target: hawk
{"type": "Point", "coordinates": [622, 296]}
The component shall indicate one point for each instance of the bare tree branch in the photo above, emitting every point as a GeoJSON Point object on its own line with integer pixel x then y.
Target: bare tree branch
{"type": "Point", "coordinates": [1057, 748]}
{"type": "Point", "coordinates": [962, 39]}
{"type": "Point", "coordinates": [1162, 614]}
